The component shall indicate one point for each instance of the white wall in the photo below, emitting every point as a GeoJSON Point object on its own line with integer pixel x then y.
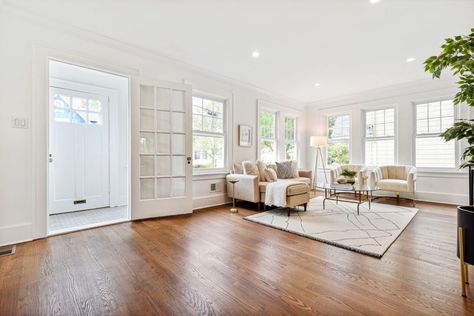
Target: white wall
{"type": "Point", "coordinates": [445, 187]}
{"type": "Point", "coordinates": [21, 35]}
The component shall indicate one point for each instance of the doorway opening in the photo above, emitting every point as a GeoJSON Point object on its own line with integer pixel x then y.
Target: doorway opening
{"type": "Point", "coordinates": [88, 175]}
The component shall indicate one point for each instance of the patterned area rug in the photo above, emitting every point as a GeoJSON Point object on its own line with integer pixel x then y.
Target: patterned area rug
{"type": "Point", "coordinates": [370, 233]}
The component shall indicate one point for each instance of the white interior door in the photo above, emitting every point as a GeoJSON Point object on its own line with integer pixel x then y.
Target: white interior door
{"type": "Point", "coordinates": [161, 149]}
{"type": "Point", "coordinates": [79, 151]}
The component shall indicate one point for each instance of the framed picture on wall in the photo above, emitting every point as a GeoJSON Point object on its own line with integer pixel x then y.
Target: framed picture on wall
{"type": "Point", "coordinates": [245, 136]}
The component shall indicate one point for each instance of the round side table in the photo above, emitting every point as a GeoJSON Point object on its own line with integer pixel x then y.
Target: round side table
{"type": "Point", "coordinates": [233, 209]}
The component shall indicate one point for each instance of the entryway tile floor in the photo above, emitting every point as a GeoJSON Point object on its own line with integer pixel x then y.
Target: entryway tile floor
{"type": "Point", "coordinates": [64, 222]}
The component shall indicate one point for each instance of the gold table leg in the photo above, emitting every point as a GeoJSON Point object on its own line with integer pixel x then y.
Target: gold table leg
{"type": "Point", "coordinates": [461, 257]}
{"type": "Point", "coordinates": [233, 209]}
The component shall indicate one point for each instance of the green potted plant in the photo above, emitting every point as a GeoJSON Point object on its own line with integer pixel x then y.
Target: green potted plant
{"type": "Point", "coordinates": [457, 54]}
{"type": "Point", "coordinates": [347, 176]}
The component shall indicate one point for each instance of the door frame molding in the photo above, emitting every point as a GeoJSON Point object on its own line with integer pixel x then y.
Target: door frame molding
{"type": "Point", "coordinates": [40, 122]}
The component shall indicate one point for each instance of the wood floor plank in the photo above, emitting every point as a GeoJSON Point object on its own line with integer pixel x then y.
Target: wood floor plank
{"type": "Point", "coordinates": [216, 263]}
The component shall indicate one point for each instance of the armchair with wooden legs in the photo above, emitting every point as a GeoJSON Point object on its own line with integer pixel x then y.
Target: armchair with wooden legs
{"type": "Point", "coordinates": [395, 179]}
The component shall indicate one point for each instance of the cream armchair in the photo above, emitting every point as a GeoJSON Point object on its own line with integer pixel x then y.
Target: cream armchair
{"type": "Point", "coordinates": [336, 170]}
{"type": "Point", "coordinates": [395, 179]}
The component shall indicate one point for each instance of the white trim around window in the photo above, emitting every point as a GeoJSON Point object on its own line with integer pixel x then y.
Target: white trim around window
{"type": "Point", "coordinates": [430, 119]}
{"type": "Point", "coordinates": [280, 114]}
{"type": "Point", "coordinates": [344, 136]}
{"type": "Point", "coordinates": [380, 133]}
{"type": "Point", "coordinates": [223, 134]}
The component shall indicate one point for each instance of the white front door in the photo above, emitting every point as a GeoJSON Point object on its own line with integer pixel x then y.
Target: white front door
{"type": "Point", "coordinates": [161, 149]}
{"type": "Point", "coordinates": [79, 151]}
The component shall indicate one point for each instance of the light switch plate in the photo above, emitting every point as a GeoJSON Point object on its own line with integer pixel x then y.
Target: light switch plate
{"type": "Point", "coordinates": [20, 122]}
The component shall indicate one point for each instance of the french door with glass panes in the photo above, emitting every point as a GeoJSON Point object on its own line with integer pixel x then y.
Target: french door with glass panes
{"type": "Point", "coordinates": [161, 149]}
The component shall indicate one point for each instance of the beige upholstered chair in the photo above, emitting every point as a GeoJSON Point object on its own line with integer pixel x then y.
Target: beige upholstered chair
{"type": "Point", "coordinates": [395, 179]}
{"type": "Point", "coordinates": [336, 170]}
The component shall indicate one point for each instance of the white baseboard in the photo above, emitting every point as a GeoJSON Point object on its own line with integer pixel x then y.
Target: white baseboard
{"type": "Point", "coordinates": [446, 198]}
{"type": "Point", "coordinates": [14, 234]}
{"type": "Point", "coordinates": [210, 200]}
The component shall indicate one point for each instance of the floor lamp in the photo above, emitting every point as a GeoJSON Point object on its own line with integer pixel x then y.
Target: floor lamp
{"type": "Point", "coordinates": [318, 142]}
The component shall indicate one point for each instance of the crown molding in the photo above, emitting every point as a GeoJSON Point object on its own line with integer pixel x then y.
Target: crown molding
{"type": "Point", "coordinates": [444, 85]}
{"type": "Point", "coordinates": [150, 54]}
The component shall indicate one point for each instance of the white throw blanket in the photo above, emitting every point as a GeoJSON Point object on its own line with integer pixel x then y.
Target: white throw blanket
{"type": "Point", "coordinates": [275, 192]}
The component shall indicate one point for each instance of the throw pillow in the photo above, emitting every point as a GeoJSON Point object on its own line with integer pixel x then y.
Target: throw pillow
{"type": "Point", "coordinates": [270, 175]}
{"type": "Point", "coordinates": [261, 169]}
{"type": "Point", "coordinates": [287, 169]}
{"type": "Point", "coordinates": [272, 165]}
{"type": "Point", "coordinates": [294, 168]}
{"type": "Point", "coordinates": [250, 168]}
{"type": "Point", "coordinates": [238, 169]}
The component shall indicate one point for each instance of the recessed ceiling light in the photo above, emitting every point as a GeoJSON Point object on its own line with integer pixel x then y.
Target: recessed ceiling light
{"type": "Point", "coordinates": [317, 84]}
{"type": "Point", "coordinates": [255, 54]}
{"type": "Point", "coordinates": [374, 1]}
{"type": "Point", "coordinates": [410, 59]}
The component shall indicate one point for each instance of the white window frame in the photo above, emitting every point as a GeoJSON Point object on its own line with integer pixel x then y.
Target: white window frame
{"type": "Point", "coordinates": [457, 145]}
{"type": "Point", "coordinates": [225, 134]}
{"type": "Point", "coordinates": [373, 138]}
{"type": "Point", "coordinates": [285, 141]}
{"type": "Point", "coordinates": [341, 140]}
{"type": "Point", "coordinates": [276, 139]}
{"type": "Point", "coordinates": [281, 113]}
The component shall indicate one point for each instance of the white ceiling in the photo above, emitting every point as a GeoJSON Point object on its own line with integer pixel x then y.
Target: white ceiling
{"type": "Point", "coordinates": [348, 46]}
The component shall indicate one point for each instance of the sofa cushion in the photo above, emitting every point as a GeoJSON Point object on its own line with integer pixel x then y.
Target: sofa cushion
{"type": "Point", "coordinates": [297, 189]}
{"type": "Point", "coordinates": [270, 175]}
{"type": "Point", "coordinates": [261, 169]}
{"type": "Point", "coordinates": [392, 185]}
{"type": "Point", "coordinates": [303, 179]}
{"type": "Point", "coordinates": [250, 168]}
{"type": "Point", "coordinates": [272, 165]}
{"type": "Point", "coordinates": [238, 168]}
{"type": "Point", "coordinates": [287, 169]}
{"type": "Point", "coordinates": [291, 190]}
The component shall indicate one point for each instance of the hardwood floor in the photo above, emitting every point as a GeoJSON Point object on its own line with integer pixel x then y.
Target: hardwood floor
{"type": "Point", "coordinates": [214, 262]}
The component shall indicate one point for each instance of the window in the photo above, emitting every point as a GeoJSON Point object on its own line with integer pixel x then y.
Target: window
{"type": "Point", "coordinates": [431, 150]}
{"type": "Point", "coordinates": [80, 111]}
{"type": "Point", "coordinates": [290, 138]}
{"type": "Point", "coordinates": [339, 129]}
{"type": "Point", "coordinates": [268, 139]}
{"type": "Point", "coordinates": [380, 137]}
{"type": "Point", "coordinates": [208, 133]}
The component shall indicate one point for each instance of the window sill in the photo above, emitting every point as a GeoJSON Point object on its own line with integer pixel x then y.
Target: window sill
{"type": "Point", "coordinates": [210, 174]}
{"type": "Point", "coordinates": [442, 173]}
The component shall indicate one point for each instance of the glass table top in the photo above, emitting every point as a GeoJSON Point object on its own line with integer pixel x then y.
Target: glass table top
{"type": "Point", "coordinates": [346, 187]}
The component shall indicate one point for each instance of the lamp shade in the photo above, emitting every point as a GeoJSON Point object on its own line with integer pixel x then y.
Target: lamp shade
{"type": "Point", "coordinates": [318, 141]}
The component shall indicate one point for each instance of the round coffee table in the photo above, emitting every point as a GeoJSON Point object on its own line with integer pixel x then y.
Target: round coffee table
{"type": "Point", "coordinates": [355, 193]}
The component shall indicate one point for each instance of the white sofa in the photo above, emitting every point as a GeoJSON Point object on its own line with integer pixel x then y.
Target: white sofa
{"type": "Point", "coordinates": [395, 179]}
{"type": "Point", "coordinates": [336, 170]}
{"type": "Point", "coordinates": [250, 188]}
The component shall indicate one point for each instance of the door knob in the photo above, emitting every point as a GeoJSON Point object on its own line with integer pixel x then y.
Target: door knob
{"type": "Point", "coordinates": [189, 160]}
{"type": "Point", "coordinates": [50, 159]}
